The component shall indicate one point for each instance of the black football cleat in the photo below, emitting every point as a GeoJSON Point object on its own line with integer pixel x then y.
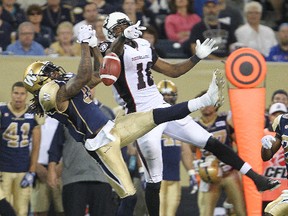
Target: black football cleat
{"type": "Point", "coordinates": [267, 184]}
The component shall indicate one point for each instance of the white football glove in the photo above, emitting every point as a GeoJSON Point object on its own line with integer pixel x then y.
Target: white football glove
{"type": "Point", "coordinates": [206, 48]}
{"type": "Point", "coordinates": [267, 141]}
{"type": "Point", "coordinates": [93, 41]}
{"type": "Point", "coordinates": [134, 31]}
{"type": "Point", "coordinates": [84, 34]}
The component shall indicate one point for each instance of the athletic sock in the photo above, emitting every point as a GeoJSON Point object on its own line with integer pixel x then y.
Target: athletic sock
{"type": "Point", "coordinates": [152, 198]}
{"type": "Point", "coordinates": [127, 206]}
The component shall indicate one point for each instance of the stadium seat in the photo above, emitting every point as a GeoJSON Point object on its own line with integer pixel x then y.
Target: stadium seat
{"type": "Point", "coordinates": [170, 49]}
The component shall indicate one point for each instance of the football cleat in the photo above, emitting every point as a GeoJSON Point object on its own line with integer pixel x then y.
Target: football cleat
{"type": "Point", "coordinates": [267, 184]}
{"type": "Point", "coordinates": [216, 88]}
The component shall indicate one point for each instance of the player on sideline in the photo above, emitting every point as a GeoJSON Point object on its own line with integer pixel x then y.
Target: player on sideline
{"type": "Point", "coordinates": [66, 97]}
{"type": "Point", "coordinates": [270, 145]}
{"type": "Point", "coordinates": [137, 88]}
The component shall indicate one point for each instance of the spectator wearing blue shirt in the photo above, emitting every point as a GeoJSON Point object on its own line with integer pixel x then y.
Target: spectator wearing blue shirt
{"type": "Point", "coordinates": [279, 53]}
{"type": "Point", "coordinates": [25, 45]}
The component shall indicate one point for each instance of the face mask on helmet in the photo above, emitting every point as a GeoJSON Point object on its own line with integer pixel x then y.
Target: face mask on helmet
{"type": "Point", "coordinates": [39, 73]}
{"type": "Point", "coordinates": [169, 90]}
{"type": "Point", "coordinates": [113, 20]}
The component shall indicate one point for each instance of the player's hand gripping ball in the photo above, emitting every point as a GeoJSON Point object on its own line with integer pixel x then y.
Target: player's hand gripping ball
{"type": "Point", "coordinates": [110, 69]}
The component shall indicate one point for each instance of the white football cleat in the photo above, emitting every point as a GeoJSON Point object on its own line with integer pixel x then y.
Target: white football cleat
{"type": "Point", "coordinates": [216, 87]}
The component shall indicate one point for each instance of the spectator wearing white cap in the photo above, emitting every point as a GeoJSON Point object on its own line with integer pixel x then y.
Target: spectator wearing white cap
{"type": "Point", "coordinates": [276, 108]}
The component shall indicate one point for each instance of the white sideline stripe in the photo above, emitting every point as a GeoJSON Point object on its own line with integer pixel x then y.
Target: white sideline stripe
{"type": "Point", "coordinates": [107, 76]}
{"type": "Point", "coordinates": [112, 57]}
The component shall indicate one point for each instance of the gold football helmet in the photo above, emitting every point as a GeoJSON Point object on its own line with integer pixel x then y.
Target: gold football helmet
{"type": "Point", "coordinates": [168, 88]}
{"type": "Point", "coordinates": [38, 74]}
{"type": "Point", "coordinates": [209, 170]}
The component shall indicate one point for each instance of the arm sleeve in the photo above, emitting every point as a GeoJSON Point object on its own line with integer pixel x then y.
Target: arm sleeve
{"type": "Point", "coordinates": [56, 147]}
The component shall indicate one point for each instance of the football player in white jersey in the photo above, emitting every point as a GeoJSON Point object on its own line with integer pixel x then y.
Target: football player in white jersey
{"type": "Point", "coordinates": [137, 88]}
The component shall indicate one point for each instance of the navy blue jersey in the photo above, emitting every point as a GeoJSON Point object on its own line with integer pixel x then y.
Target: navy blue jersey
{"type": "Point", "coordinates": [171, 153]}
{"type": "Point", "coordinates": [82, 117]}
{"type": "Point", "coordinates": [16, 134]}
{"type": "Point", "coordinates": [281, 129]}
{"type": "Point", "coordinates": [220, 129]}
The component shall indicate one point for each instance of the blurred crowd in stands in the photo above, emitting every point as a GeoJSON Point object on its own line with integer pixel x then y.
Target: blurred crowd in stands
{"type": "Point", "coordinates": [48, 27]}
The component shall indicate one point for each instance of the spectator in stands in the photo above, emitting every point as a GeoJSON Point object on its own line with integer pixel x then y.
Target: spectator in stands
{"type": "Point", "coordinates": [230, 15]}
{"type": "Point", "coordinates": [211, 27]}
{"type": "Point", "coordinates": [26, 45]}
{"type": "Point", "coordinates": [279, 52]}
{"type": "Point", "coordinates": [99, 28]}
{"type": "Point", "coordinates": [5, 32]}
{"type": "Point", "coordinates": [43, 34]}
{"type": "Point", "coordinates": [65, 45]}
{"type": "Point", "coordinates": [148, 17]}
{"type": "Point", "coordinates": [12, 13]}
{"type": "Point", "coordinates": [54, 12]}
{"type": "Point", "coordinates": [181, 12]}
{"type": "Point", "coordinates": [90, 14]}
{"type": "Point", "coordinates": [158, 6]}
{"type": "Point", "coordinates": [24, 4]}
{"type": "Point", "coordinates": [253, 34]}
{"type": "Point", "coordinates": [129, 8]}
{"type": "Point", "coordinates": [42, 194]}
{"type": "Point", "coordinates": [106, 8]}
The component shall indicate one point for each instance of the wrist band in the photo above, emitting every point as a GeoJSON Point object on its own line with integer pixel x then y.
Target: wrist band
{"type": "Point", "coordinates": [194, 59]}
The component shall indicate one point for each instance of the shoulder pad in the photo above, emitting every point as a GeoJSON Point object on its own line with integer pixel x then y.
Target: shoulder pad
{"type": "Point", "coordinates": [276, 121]}
{"type": "Point", "coordinates": [47, 95]}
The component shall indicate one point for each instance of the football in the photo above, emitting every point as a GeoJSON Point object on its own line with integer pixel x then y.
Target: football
{"type": "Point", "coordinates": [110, 69]}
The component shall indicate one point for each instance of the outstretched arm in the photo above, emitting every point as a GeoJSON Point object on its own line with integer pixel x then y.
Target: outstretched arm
{"type": "Point", "coordinates": [98, 58]}
{"type": "Point", "coordinates": [270, 145]}
{"type": "Point", "coordinates": [83, 76]}
{"type": "Point", "coordinates": [178, 69]}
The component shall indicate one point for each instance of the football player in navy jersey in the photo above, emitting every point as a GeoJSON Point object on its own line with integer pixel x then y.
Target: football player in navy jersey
{"type": "Point", "coordinates": [221, 126]}
{"type": "Point", "coordinates": [137, 88]}
{"type": "Point", "coordinates": [270, 145]}
{"type": "Point", "coordinates": [67, 97]}
{"type": "Point", "coordinates": [17, 165]}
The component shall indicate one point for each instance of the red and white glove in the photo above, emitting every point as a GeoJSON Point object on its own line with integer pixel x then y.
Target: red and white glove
{"type": "Point", "coordinates": [134, 31]}
{"type": "Point", "coordinates": [267, 141]}
{"type": "Point", "coordinates": [206, 48]}
{"type": "Point", "coordinates": [84, 34]}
